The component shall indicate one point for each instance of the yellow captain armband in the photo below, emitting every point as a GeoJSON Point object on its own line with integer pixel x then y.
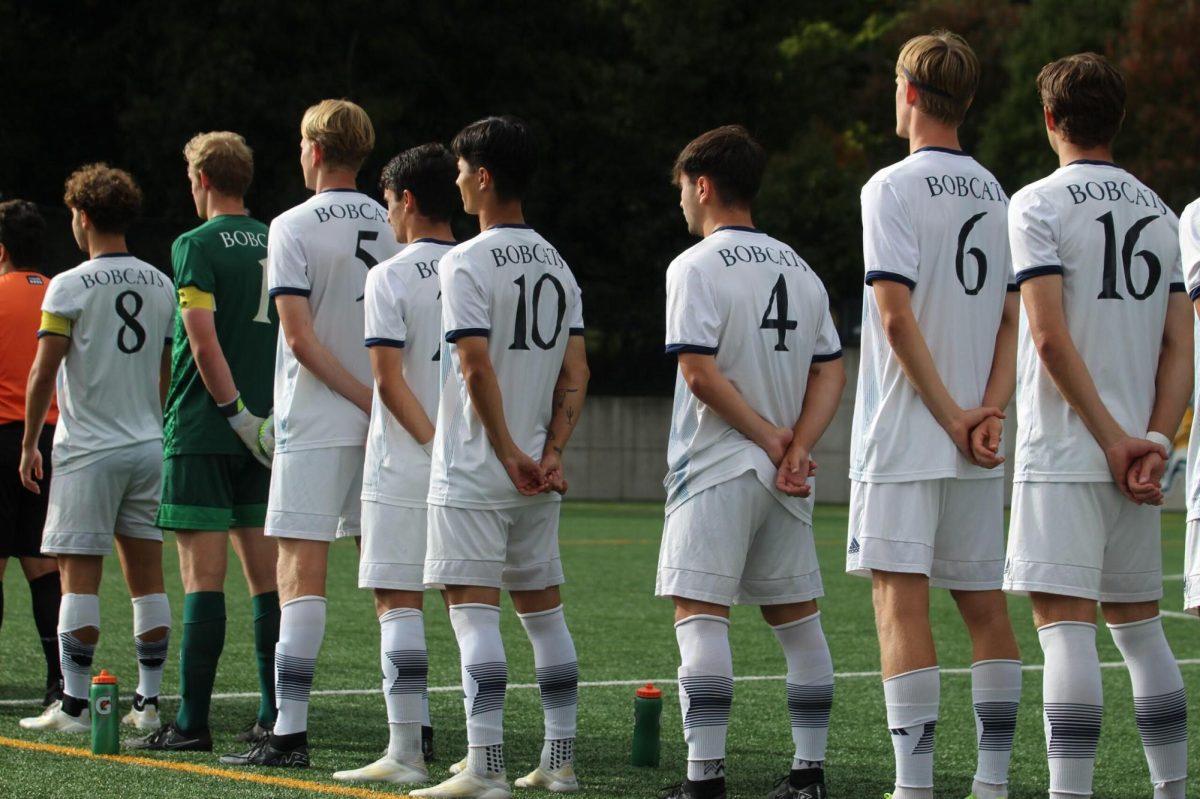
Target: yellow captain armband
{"type": "Point", "coordinates": [54, 325]}
{"type": "Point", "coordinates": [192, 297]}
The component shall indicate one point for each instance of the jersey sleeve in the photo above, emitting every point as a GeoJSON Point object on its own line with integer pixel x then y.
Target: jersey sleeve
{"type": "Point", "coordinates": [60, 308]}
{"type": "Point", "coordinates": [384, 312]}
{"type": "Point", "coordinates": [693, 320]}
{"type": "Point", "coordinates": [1033, 233]}
{"type": "Point", "coordinates": [190, 266]}
{"type": "Point", "coordinates": [829, 344]}
{"type": "Point", "coordinates": [890, 250]}
{"type": "Point", "coordinates": [575, 323]}
{"type": "Point", "coordinates": [287, 268]}
{"type": "Point", "coordinates": [1189, 248]}
{"type": "Point", "coordinates": [466, 310]}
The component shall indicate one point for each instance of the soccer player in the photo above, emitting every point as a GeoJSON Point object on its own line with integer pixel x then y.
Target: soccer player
{"type": "Point", "coordinates": [403, 332]}
{"type": "Point", "coordinates": [22, 288]}
{"type": "Point", "coordinates": [102, 332]}
{"type": "Point", "coordinates": [318, 255]}
{"type": "Point", "coordinates": [760, 376]}
{"type": "Point", "coordinates": [1189, 246]}
{"type": "Point", "coordinates": [937, 365]}
{"type": "Point", "coordinates": [215, 477]}
{"type": "Point", "coordinates": [1105, 363]}
{"type": "Point", "coordinates": [515, 381]}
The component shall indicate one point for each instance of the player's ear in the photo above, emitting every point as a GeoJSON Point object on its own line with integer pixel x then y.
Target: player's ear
{"type": "Point", "coordinates": [318, 154]}
{"type": "Point", "coordinates": [704, 189]}
{"type": "Point", "coordinates": [910, 93]}
{"type": "Point", "coordinates": [484, 177]}
{"type": "Point", "coordinates": [1050, 123]}
{"type": "Point", "coordinates": [205, 180]}
{"type": "Point", "coordinates": [409, 201]}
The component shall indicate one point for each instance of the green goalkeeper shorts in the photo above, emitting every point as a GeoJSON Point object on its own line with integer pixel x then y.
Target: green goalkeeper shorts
{"type": "Point", "coordinates": [213, 492]}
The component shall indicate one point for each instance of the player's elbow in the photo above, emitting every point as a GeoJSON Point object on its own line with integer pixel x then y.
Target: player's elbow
{"type": "Point", "coordinates": [1050, 345]}
{"type": "Point", "coordinates": [576, 373]}
{"type": "Point", "coordinates": [697, 382]}
{"type": "Point", "coordinates": [896, 327]}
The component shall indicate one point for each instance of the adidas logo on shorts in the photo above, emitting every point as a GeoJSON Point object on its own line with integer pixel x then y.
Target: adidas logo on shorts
{"type": "Point", "coordinates": [854, 547]}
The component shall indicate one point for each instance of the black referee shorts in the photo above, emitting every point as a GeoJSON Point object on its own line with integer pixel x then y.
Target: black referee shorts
{"type": "Point", "coordinates": [22, 512]}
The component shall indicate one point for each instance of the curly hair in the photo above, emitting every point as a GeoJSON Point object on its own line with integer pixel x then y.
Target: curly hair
{"type": "Point", "coordinates": [109, 196]}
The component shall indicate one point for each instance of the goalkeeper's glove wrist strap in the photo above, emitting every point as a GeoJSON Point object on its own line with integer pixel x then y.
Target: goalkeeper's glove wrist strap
{"type": "Point", "coordinates": [232, 408]}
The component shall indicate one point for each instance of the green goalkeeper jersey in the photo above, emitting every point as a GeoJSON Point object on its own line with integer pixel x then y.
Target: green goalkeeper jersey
{"type": "Point", "coordinates": [227, 258]}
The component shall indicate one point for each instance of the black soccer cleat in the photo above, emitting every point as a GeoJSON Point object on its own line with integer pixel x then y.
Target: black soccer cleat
{"type": "Point", "coordinates": [169, 738]}
{"type": "Point", "coordinates": [785, 790]}
{"type": "Point", "coordinates": [263, 754]}
{"type": "Point", "coordinates": [690, 790]}
{"type": "Point", "coordinates": [427, 750]}
{"type": "Point", "coordinates": [253, 733]}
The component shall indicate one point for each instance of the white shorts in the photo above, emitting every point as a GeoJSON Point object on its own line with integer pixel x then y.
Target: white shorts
{"type": "Point", "coordinates": [393, 547]}
{"type": "Point", "coordinates": [515, 549]}
{"type": "Point", "coordinates": [951, 531]}
{"type": "Point", "coordinates": [1084, 540]}
{"type": "Point", "coordinates": [315, 493]}
{"type": "Point", "coordinates": [734, 543]}
{"type": "Point", "coordinates": [117, 494]}
{"type": "Point", "coordinates": [1191, 568]}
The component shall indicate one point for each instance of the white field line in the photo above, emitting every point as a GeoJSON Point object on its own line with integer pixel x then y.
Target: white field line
{"type": "Point", "coordinates": [444, 689]}
{"type": "Point", "coordinates": [1173, 578]}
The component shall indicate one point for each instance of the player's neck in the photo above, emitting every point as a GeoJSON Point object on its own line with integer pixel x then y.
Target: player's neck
{"type": "Point", "coordinates": [726, 217]}
{"type": "Point", "coordinates": [335, 179]}
{"type": "Point", "coordinates": [501, 212]}
{"type": "Point", "coordinates": [422, 228]}
{"type": "Point", "coordinates": [106, 244]}
{"type": "Point", "coordinates": [1067, 153]}
{"type": "Point", "coordinates": [222, 205]}
{"type": "Point", "coordinates": [924, 132]}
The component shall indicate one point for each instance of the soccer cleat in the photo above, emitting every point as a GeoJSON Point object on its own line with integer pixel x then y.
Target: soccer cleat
{"type": "Point", "coordinates": [427, 743]}
{"type": "Point", "coordinates": [385, 769]}
{"type": "Point", "coordinates": [560, 781]}
{"type": "Point", "coordinates": [253, 733]}
{"type": "Point", "coordinates": [683, 791]}
{"type": "Point", "coordinates": [169, 738]}
{"type": "Point", "coordinates": [459, 767]}
{"type": "Point", "coordinates": [784, 790]}
{"type": "Point", "coordinates": [466, 784]}
{"type": "Point", "coordinates": [263, 754]}
{"type": "Point", "coordinates": [144, 713]}
{"type": "Point", "coordinates": [54, 719]}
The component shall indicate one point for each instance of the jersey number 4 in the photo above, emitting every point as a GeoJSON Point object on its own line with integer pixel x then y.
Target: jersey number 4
{"type": "Point", "coordinates": [780, 323]}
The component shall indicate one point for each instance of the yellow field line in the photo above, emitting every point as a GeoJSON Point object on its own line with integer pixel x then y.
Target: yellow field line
{"type": "Point", "coordinates": [204, 771]}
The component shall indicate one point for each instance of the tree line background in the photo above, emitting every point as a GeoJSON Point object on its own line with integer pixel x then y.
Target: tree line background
{"type": "Point", "coordinates": [613, 89]}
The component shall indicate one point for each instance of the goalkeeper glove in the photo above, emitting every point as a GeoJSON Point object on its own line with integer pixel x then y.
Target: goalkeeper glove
{"type": "Point", "coordinates": [247, 427]}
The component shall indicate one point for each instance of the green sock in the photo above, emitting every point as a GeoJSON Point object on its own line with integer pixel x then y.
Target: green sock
{"type": "Point", "coordinates": [266, 635]}
{"type": "Point", "coordinates": [203, 640]}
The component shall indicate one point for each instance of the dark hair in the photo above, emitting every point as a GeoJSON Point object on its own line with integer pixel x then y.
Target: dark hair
{"type": "Point", "coordinates": [503, 146]}
{"type": "Point", "coordinates": [110, 197]}
{"type": "Point", "coordinates": [428, 171]}
{"type": "Point", "coordinates": [730, 158]}
{"type": "Point", "coordinates": [1086, 97]}
{"type": "Point", "coordinates": [22, 232]}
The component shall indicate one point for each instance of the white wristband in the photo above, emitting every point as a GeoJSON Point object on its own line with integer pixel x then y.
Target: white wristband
{"type": "Point", "coordinates": [1161, 440]}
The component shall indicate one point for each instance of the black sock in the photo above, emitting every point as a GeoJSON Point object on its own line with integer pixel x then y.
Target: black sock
{"type": "Point", "coordinates": [707, 789]}
{"type": "Point", "coordinates": [140, 702]}
{"type": "Point", "coordinates": [804, 777]}
{"type": "Point", "coordinates": [46, 593]}
{"type": "Point", "coordinates": [73, 706]}
{"type": "Point", "coordinates": [286, 743]}
{"type": "Point", "coordinates": [1, 603]}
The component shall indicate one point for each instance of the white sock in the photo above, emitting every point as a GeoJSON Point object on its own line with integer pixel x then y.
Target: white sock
{"type": "Point", "coordinates": [405, 665]}
{"type": "Point", "coordinates": [151, 612]}
{"type": "Point", "coordinates": [485, 679]}
{"type": "Point", "coordinates": [912, 712]}
{"type": "Point", "coordinates": [301, 630]}
{"type": "Point", "coordinates": [1159, 701]}
{"type": "Point", "coordinates": [77, 612]}
{"type": "Point", "coordinates": [1072, 704]}
{"type": "Point", "coordinates": [996, 694]}
{"type": "Point", "coordinates": [809, 688]}
{"type": "Point", "coordinates": [705, 692]}
{"type": "Point", "coordinates": [558, 682]}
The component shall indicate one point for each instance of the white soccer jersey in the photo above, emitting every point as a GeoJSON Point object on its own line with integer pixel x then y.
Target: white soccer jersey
{"type": "Point", "coordinates": [1189, 248]}
{"type": "Point", "coordinates": [322, 250]}
{"type": "Point", "coordinates": [1116, 245]}
{"type": "Point", "coordinates": [403, 309]}
{"type": "Point", "coordinates": [121, 311]}
{"type": "Point", "coordinates": [754, 304]}
{"type": "Point", "coordinates": [512, 286]}
{"type": "Point", "coordinates": [936, 223]}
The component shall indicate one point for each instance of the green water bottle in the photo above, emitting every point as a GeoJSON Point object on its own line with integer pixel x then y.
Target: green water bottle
{"type": "Point", "coordinates": [105, 709]}
{"type": "Point", "coordinates": [647, 712]}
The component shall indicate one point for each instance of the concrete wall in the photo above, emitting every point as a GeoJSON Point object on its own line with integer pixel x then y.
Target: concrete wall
{"type": "Point", "coordinates": [619, 450]}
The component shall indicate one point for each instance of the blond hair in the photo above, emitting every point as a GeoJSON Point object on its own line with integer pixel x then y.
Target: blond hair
{"type": "Point", "coordinates": [944, 70]}
{"type": "Point", "coordinates": [225, 158]}
{"type": "Point", "coordinates": [342, 129]}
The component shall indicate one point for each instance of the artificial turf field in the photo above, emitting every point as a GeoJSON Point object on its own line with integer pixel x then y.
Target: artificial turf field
{"type": "Point", "coordinates": [623, 636]}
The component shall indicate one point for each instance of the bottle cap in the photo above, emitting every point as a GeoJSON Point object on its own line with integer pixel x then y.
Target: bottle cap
{"type": "Point", "coordinates": [648, 691]}
{"type": "Point", "coordinates": [104, 678]}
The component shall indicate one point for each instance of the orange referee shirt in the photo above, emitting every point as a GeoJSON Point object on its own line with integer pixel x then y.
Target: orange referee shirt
{"type": "Point", "coordinates": [20, 315]}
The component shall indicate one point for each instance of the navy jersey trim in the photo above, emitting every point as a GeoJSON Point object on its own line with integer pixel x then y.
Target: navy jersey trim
{"type": "Point", "coordinates": [1093, 162]}
{"type": "Point", "coordinates": [289, 291]}
{"type": "Point", "coordinates": [575, 331]}
{"type": "Point", "coordinates": [41, 333]}
{"type": "Point", "coordinates": [512, 225]}
{"type": "Point", "coordinates": [832, 356]}
{"type": "Point", "coordinates": [945, 150]}
{"type": "Point", "coordinates": [1038, 271]}
{"type": "Point", "coordinates": [339, 191]}
{"type": "Point", "coordinates": [464, 332]}
{"type": "Point", "coordinates": [879, 274]}
{"type": "Point", "coordinates": [384, 342]}
{"type": "Point", "coordinates": [1013, 287]}
{"type": "Point", "coordinates": [434, 241]}
{"type": "Point", "coordinates": [113, 255]}
{"type": "Point", "coordinates": [742, 228]}
{"type": "Point", "coordinates": [678, 349]}
{"type": "Point", "coordinates": [1195, 294]}
{"type": "Point", "coordinates": [1177, 287]}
